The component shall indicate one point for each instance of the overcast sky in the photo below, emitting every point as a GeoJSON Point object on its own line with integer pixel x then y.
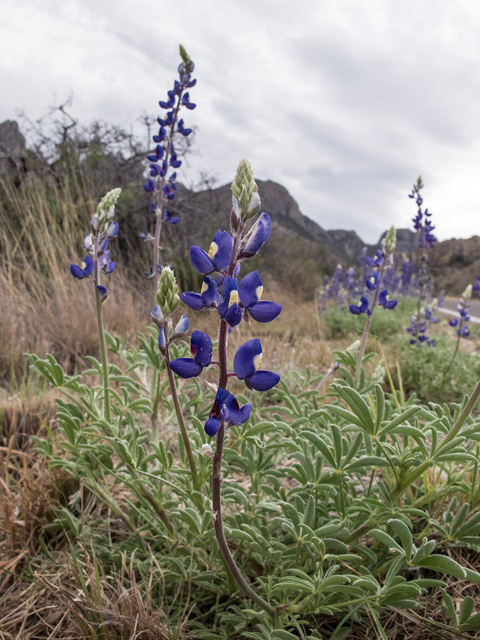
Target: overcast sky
{"type": "Point", "coordinates": [344, 102]}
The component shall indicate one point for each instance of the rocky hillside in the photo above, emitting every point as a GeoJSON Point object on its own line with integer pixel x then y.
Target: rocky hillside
{"type": "Point", "coordinates": [300, 251]}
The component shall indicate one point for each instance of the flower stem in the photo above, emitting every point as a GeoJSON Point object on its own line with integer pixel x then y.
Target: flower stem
{"type": "Point", "coordinates": [103, 346]}
{"type": "Point", "coordinates": [216, 487]}
{"type": "Point", "coordinates": [181, 421]}
{"type": "Point", "coordinates": [366, 330]}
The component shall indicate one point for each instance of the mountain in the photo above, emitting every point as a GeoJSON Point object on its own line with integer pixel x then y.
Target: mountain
{"type": "Point", "coordinates": [300, 250]}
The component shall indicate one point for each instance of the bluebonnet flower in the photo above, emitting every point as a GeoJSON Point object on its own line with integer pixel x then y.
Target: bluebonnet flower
{"type": "Point", "coordinates": [385, 301]}
{"type": "Point", "coordinates": [226, 408]}
{"type": "Point", "coordinates": [250, 291]}
{"type": "Point", "coordinates": [422, 222]}
{"type": "Point", "coordinates": [164, 156]}
{"type": "Point", "coordinates": [362, 307]}
{"type": "Point", "coordinates": [377, 260]}
{"type": "Point", "coordinates": [247, 363]}
{"type": "Point", "coordinates": [372, 281]}
{"type": "Point", "coordinates": [170, 218]}
{"type": "Point", "coordinates": [461, 322]}
{"type": "Point", "coordinates": [201, 348]}
{"type": "Point", "coordinates": [230, 309]}
{"type": "Point", "coordinates": [476, 287]}
{"type": "Point", "coordinates": [102, 292]}
{"type": "Point", "coordinates": [85, 270]}
{"type": "Point", "coordinates": [218, 257]}
{"type": "Point", "coordinates": [105, 264]}
{"type": "Point", "coordinates": [256, 237]}
{"type": "Point", "coordinates": [102, 228]}
{"type": "Point", "coordinates": [208, 295]}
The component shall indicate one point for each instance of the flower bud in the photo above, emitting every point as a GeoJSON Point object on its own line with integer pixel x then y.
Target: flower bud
{"type": "Point", "coordinates": [181, 328]}
{"type": "Point", "coordinates": [187, 63]}
{"type": "Point", "coordinates": [390, 241]}
{"type": "Point", "coordinates": [245, 191]}
{"type": "Point", "coordinates": [167, 296]}
{"type": "Point", "coordinates": [467, 294]}
{"type": "Point", "coordinates": [106, 207]}
{"type": "Point", "coordinates": [162, 344]}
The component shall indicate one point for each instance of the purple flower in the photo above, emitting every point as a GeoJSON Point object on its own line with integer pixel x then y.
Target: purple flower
{"type": "Point", "coordinates": [149, 185]}
{"type": "Point", "coordinates": [230, 309]}
{"type": "Point", "coordinates": [85, 270]}
{"type": "Point", "coordinates": [377, 261]}
{"type": "Point", "coordinates": [256, 237]}
{"type": "Point", "coordinates": [181, 129]}
{"type": "Point", "coordinates": [226, 407]}
{"type": "Point", "coordinates": [186, 101]}
{"type": "Point", "coordinates": [169, 218]}
{"type": "Point", "coordinates": [372, 282]}
{"type": "Point", "coordinates": [384, 300]}
{"type": "Point", "coordinates": [208, 295]}
{"type": "Point", "coordinates": [246, 364]}
{"type": "Point", "coordinates": [102, 292]}
{"type": "Point", "coordinates": [250, 291]}
{"type": "Point", "coordinates": [362, 307]}
{"type": "Point", "coordinates": [201, 348]}
{"type": "Point", "coordinates": [105, 264]}
{"type": "Point", "coordinates": [218, 257]}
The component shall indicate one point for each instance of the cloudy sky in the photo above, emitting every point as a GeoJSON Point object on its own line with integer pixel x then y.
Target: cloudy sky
{"type": "Point", "coordinates": [344, 102]}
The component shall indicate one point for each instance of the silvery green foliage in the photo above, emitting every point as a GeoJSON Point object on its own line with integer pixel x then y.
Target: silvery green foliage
{"type": "Point", "coordinates": [320, 483]}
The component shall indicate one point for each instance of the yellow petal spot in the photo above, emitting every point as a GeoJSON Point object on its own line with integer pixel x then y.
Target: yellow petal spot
{"type": "Point", "coordinates": [204, 287]}
{"type": "Point", "coordinates": [257, 361]}
{"type": "Point", "coordinates": [372, 280]}
{"type": "Point", "coordinates": [83, 265]}
{"type": "Point", "coordinates": [259, 291]}
{"type": "Point", "coordinates": [233, 297]}
{"type": "Point", "coordinates": [212, 252]}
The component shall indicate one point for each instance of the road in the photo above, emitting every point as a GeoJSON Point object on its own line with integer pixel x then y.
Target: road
{"type": "Point", "coordinates": [449, 308]}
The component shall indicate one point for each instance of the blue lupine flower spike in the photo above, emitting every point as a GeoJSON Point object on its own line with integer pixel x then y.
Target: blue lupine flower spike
{"type": "Point", "coordinates": [246, 364]}
{"type": "Point", "coordinates": [201, 348]}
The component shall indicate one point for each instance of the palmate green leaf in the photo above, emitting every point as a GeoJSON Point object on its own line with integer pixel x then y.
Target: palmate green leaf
{"type": "Point", "coordinates": [387, 540]}
{"type": "Point", "coordinates": [443, 564]}
{"type": "Point", "coordinates": [449, 607]}
{"type": "Point", "coordinates": [400, 419]}
{"type": "Point", "coordinates": [405, 535]}
{"type": "Point", "coordinates": [280, 634]}
{"type": "Point", "coordinates": [473, 624]}
{"type": "Point", "coordinates": [321, 446]}
{"type": "Point", "coordinates": [466, 609]}
{"type": "Point", "coordinates": [380, 406]}
{"type": "Point", "coordinates": [297, 585]}
{"type": "Point", "coordinates": [358, 406]}
{"type": "Point", "coordinates": [367, 461]}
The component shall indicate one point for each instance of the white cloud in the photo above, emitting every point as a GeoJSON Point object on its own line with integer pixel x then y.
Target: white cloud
{"type": "Point", "coordinates": [344, 103]}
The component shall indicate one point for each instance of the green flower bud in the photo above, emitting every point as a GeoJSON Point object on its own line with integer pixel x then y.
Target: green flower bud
{"type": "Point", "coordinates": [467, 294]}
{"type": "Point", "coordinates": [167, 295]}
{"type": "Point", "coordinates": [187, 61]}
{"type": "Point", "coordinates": [106, 207]}
{"type": "Point", "coordinates": [390, 241]}
{"type": "Point", "coordinates": [245, 191]}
